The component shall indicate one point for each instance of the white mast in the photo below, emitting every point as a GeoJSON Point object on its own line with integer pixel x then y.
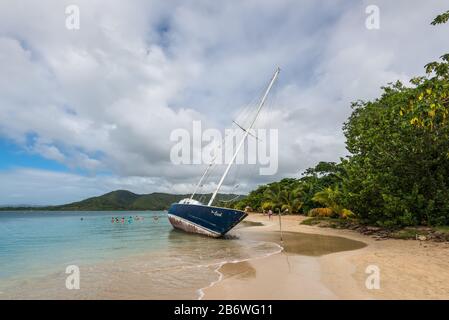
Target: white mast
{"type": "Point", "coordinates": [244, 136]}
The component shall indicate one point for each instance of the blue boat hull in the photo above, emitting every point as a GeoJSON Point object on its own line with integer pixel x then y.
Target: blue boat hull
{"type": "Point", "coordinates": [210, 221]}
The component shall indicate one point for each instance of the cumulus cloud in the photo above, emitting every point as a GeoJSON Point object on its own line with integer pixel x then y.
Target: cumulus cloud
{"type": "Point", "coordinates": [105, 98]}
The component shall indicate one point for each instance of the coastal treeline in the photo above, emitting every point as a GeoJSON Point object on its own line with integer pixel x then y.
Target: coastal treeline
{"type": "Point", "coordinates": [397, 173]}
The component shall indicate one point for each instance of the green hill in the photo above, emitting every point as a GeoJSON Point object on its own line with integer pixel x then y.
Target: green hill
{"type": "Point", "coordinates": [127, 200]}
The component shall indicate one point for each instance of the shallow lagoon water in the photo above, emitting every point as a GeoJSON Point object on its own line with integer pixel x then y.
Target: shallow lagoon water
{"type": "Point", "coordinates": [145, 259]}
{"type": "Point", "coordinates": [141, 259]}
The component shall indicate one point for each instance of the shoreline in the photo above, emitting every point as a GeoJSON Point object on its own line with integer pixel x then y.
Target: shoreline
{"type": "Point", "coordinates": [408, 269]}
{"type": "Point", "coordinates": [201, 291]}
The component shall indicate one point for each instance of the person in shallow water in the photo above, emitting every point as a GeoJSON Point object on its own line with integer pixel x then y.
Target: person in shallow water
{"type": "Point", "coordinates": [112, 220]}
{"type": "Point", "coordinates": [130, 220]}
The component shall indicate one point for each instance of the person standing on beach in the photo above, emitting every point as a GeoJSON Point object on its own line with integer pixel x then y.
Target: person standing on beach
{"type": "Point", "coordinates": [270, 213]}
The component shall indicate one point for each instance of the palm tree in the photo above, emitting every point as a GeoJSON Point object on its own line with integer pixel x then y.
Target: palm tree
{"type": "Point", "coordinates": [282, 198]}
{"type": "Point", "coordinates": [267, 205]}
{"type": "Point", "coordinates": [291, 200]}
{"type": "Point", "coordinates": [273, 194]}
{"type": "Point", "coordinates": [329, 198]}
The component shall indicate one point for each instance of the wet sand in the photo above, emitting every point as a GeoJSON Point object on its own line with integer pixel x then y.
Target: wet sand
{"type": "Point", "coordinates": [305, 244]}
{"type": "Point", "coordinates": [315, 267]}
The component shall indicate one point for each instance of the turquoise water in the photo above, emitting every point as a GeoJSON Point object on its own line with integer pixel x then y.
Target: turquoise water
{"type": "Point", "coordinates": [39, 241]}
{"type": "Point", "coordinates": [143, 258]}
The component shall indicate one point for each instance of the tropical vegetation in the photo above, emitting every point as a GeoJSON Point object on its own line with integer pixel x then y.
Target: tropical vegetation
{"type": "Point", "coordinates": [397, 171]}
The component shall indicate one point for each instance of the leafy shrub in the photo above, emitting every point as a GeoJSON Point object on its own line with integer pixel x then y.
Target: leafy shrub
{"type": "Point", "coordinates": [346, 213]}
{"type": "Point", "coordinates": [321, 212]}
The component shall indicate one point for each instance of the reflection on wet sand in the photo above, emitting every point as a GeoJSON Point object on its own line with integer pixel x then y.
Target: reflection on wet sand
{"type": "Point", "coordinates": [240, 270]}
{"type": "Point", "coordinates": [294, 273]}
{"type": "Point", "coordinates": [304, 243]}
{"type": "Point", "coordinates": [294, 243]}
{"type": "Point", "coordinates": [247, 223]}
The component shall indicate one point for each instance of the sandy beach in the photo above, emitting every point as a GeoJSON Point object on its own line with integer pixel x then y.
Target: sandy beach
{"type": "Point", "coordinates": [408, 269]}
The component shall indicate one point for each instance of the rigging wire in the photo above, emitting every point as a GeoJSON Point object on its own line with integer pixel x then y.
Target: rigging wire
{"type": "Point", "coordinates": [242, 119]}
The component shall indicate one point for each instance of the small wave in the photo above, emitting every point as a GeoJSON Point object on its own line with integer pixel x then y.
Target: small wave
{"type": "Point", "coordinates": [200, 291]}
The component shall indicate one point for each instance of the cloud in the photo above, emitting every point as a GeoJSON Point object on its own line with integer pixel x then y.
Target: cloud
{"type": "Point", "coordinates": [43, 187]}
{"type": "Point", "coordinates": [105, 98]}
{"type": "Point", "coordinates": [24, 186]}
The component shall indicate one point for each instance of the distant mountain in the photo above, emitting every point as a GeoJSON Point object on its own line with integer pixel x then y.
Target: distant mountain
{"type": "Point", "coordinates": [127, 200]}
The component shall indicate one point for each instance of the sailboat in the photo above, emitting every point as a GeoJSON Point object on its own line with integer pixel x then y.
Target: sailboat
{"type": "Point", "coordinates": [193, 216]}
